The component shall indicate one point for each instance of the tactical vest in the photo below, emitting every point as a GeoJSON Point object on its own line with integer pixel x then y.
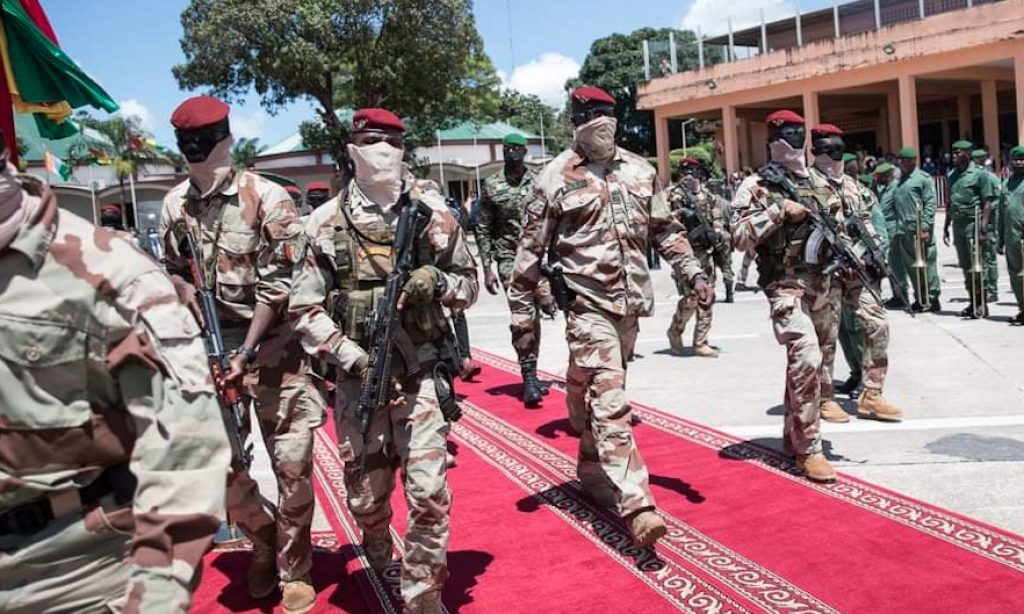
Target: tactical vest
{"type": "Point", "coordinates": [363, 260]}
{"type": "Point", "coordinates": [785, 251]}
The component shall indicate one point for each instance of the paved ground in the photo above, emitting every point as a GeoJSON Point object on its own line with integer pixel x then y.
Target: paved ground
{"type": "Point", "coordinates": [960, 383]}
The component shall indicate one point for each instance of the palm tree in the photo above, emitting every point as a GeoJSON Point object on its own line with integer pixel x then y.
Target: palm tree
{"type": "Point", "coordinates": [245, 152]}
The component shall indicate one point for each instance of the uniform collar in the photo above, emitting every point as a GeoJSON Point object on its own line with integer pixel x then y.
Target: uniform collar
{"type": "Point", "coordinates": [229, 189]}
{"type": "Point", "coordinates": [578, 159]}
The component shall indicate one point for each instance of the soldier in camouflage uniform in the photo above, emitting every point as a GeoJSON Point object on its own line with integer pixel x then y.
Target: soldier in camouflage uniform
{"type": "Point", "coordinates": [595, 207]}
{"type": "Point", "coordinates": [827, 146]}
{"type": "Point", "coordinates": [797, 291]}
{"type": "Point", "coordinates": [502, 199]}
{"type": "Point", "coordinates": [347, 261]}
{"type": "Point", "coordinates": [249, 235]}
{"type": "Point", "coordinates": [112, 452]}
{"type": "Point", "coordinates": [685, 197]}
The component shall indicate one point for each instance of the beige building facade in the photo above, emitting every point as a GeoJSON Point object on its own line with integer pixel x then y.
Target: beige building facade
{"type": "Point", "coordinates": [923, 82]}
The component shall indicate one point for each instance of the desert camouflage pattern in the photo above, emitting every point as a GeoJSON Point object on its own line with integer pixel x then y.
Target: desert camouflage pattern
{"type": "Point", "coordinates": [723, 257]}
{"type": "Point", "coordinates": [600, 221]}
{"type": "Point", "coordinates": [502, 207]}
{"type": "Point", "coordinates": [101, 365]}
{"type": "Point", "coordinates": [848, 291]}
{"type": "Point", "coordinates": [715, 210]}
{"type": "Point", "coordinates": [798, 299]}
{"type": "Point", "coordinates": [411, 438]}
{"type": "Point", "coordinates": [250, 235]}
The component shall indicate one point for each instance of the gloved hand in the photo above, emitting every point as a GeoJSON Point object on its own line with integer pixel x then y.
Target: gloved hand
{"type": "Point", "coordinates": [361, 367]}
{"type": "Point", "coordinates": [793, 211]}
{"type": "Point", "coordinates": [421, 286]}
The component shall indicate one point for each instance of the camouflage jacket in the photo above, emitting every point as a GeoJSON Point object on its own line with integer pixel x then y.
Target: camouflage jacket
{"type": "Point", "coordinates": [449, 251]}
{"type": "Point", "coordinates": [250, 236]}
{"type": "Point", "coordinates": [600, 222]}
{"type": "Point", "coordinates": [100, 365]}
{"type": "Point", "coordinates": [714, 208]}
{"type": "Point", "coordinates": [501, 213]}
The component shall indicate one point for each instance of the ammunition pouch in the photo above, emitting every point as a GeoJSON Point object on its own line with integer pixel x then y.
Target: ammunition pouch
{"type": "Point", "coordinates": [444, 386]}
{"type": "Point", "coordinates": [426, 323]}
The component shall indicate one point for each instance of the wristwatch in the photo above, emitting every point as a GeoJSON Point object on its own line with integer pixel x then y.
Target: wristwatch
{"type": "Point", "coordinates": [248, 352]}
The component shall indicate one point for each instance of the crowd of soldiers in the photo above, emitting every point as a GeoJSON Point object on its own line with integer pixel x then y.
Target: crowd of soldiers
{"type": "Point", "coordinates": [122, 446]}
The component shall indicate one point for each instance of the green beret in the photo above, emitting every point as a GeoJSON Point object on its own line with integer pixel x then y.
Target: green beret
{"type": "Point", "coordinates": [1017, 152]}
{"type": "Point", "coordinates": [865, 179]}
{"type": "Point", "coordinates": [961, 145]}
{"type": "Point", "coordinates": [513, 138]}
{"type": "Point", "coordinates": [907, 152]}
{"type": "Point", "coordinates": [979, 153]}
{"type": "Point", "coordinates": [883, 168]}
{"type": "Point", "coordinates": [849, 157]}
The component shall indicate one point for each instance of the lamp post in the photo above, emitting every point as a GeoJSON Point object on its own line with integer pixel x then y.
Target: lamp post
{"type": "Point", "coordinates": [682, 128]}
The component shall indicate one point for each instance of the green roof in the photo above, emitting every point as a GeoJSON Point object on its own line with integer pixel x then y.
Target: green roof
{"type": "Point", "coordinates": [25, 128]}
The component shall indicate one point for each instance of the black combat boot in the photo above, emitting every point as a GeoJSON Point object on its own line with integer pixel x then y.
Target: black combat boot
{"type": "Point", "coordinates": [729, 298]}
{"type": "Point", "coordinates": [532, 393]}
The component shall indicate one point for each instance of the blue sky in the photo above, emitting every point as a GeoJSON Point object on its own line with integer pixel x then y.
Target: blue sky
{"type": "Point", "coordinates": [130, 47]}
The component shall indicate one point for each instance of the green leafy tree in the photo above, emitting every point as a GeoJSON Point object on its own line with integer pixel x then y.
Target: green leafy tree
{"type": "Point", "coordinates": [616, 64]}
{"type": "Point", "coordinates": [245, 152]}
{"type": "Point", "coordinates": [527, 112]}
{"type": "Point", "coordinates": [422, 59]}
{"type": "Point", "coordinates": [130, 150]}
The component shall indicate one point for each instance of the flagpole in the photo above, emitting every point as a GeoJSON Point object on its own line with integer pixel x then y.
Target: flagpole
{"type": "Point", "coordinates": [440, 160]}
{"type": "Point", "coordinates": [135, 206]}
{"type": "Point", "coordinates": [476, 169]}
{"type": "Point", "coordinates": [543, 145]}
{"type": "Point", "coordinates": [92, 193]}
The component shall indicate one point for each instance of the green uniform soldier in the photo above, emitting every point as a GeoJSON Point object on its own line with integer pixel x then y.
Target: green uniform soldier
{"type": "Point", "coordinates": [914, 208]}
{"type": "Point", "coordinates": [970, 202]}
{"type": "Point", "coordinates": [502, 204]}
{"type": "Point", "coordinates": [114, 454]}
{"type": "Point", "coordinates": [1011, 234]}
{"type": "Point", "coordinates": [980, 156]}
{"type": "Point", "coordinates": [884, 177]}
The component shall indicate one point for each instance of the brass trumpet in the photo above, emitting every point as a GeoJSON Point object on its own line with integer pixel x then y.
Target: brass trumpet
{"type": "Point", "coordinates": [977, 272]}
{"type": "Point", "coordinates": [920, 266]}
{"type": "Point", "coordinates": [1021, 273]}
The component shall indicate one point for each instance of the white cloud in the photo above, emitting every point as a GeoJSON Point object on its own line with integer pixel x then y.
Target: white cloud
{"type": "Point", "coordinates": [134, 108]}
{"type": "Point", "coordinates": [712, 16]}
{"type": "Point", "coordinates": [543, 77]}
{"type": "Point", "coordinates": [251, 126]}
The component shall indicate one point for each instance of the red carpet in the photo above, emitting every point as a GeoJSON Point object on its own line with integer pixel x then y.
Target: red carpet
{"type": "Point", "coordinates": [746, 535]}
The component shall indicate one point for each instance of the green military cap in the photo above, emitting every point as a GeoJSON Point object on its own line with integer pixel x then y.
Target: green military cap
{"type": "Point", "coordinates": [513, 138]}
{"type": "Point", "coordinates": [907, 152]}
{"type": "Point", "coordinates": [883, 168]}
{"type": "Point", "coordinates": [849, 157]}
{"type": "Point", "coordinates": [962, 144]}
{"type": "Point", "coordinates": [1017, 152]}
{"type": "Point", "coordinates": [979, 153]}
{"type": "Point", "coordinates": [865, 179]}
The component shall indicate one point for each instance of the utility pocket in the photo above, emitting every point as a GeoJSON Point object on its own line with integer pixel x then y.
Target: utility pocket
{"type": "Point", "coordinates": [236, 265]}
{"type": "Point", "coordinates": [44, 367]}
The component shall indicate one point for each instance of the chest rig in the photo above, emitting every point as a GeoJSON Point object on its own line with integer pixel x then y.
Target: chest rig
{"type": "Point", "coordinates": [364, 257]}
{"type": "Point", "coordinates": [795, 248]}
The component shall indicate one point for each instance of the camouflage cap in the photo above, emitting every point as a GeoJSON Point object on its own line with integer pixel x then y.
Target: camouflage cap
{"type": "Point", "coordinates": [514, 138]}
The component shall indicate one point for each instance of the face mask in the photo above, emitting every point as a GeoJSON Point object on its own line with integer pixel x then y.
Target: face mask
{"type": "Point", "coordinates": [596, 138]}
{"type": "Point", "coordinates": [826, 164]}
{"type": "Point", "coordinates": [792, 159]}
{"type": "Point", "coordinates": [210, 174]}
{"type": "Point", "coordinates": [514, 156]}
{"type": "Point", "coordinates": [379, 172]}
{"type": "Point", "coordinates": [12, 203]}
{"type": "Point", "coordinates": [691, 182]}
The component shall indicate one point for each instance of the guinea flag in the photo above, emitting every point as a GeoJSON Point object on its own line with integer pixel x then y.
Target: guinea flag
{"type": "Point", "coordinates": [56, 166]}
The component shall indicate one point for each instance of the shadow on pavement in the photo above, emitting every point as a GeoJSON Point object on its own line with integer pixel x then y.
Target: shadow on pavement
{"type": "Point", "coordinates": [467, 566]}
{"type": "Point", "coordinates": [678, 486]}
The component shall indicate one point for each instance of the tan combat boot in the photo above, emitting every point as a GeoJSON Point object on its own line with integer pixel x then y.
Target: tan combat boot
{"type": "Point", "coordinates": [872, 404]}
{"type": "Point", "coordinates": [675, 342]}
{"type": "Point", "coordinates": [705, 351]}
{"type": "Point", "coordinates": [298, 596]}
{"type": "Point", "coordinates": [427, 603]}
{"type": "Point", "coordinates": [262, 576]}
{"type": "Point", "coordinates": [378, 548]}
{"type": "Point", "coordinates": [833, 412]}
{"type": "Point", "coordinates": [647, 528]}
{"type": "Point", "coordinates": [816, 467]}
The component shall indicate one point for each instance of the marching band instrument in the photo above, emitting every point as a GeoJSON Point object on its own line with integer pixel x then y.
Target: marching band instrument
{"type": "Point", "coordinates": [920, 266]}
{"type": "Point", "coordinates": [977, 272]}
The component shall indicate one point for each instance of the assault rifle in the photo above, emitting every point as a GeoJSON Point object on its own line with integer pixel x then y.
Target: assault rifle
{"type": "Point", "coordinates": [220, 360]}
{"type": "Point", "coordinates": [877, 261]}
{"type": "Point", "coordinates": [384, 326]}
{"type": "Point", "coordinates": [699, 230]}
{"type": "Point", "coordinates": [824, 228]}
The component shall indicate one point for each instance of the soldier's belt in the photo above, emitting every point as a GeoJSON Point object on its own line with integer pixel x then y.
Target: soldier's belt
{"type": "Point", "coordinates": [33, 517]}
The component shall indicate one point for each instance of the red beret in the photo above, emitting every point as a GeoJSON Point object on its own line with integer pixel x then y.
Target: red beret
{"type": "Point", "coordinates": [199, 112]}
{"type": "Point", "coordinates": [783, 117]}
{"type": "Point", "coordinates": [689, 162]}
{"type": "Point", "coordinates": [111, 209]}
{"type": "Point", "coordinates": [317, 185]}
{"type": "Point", "coordinates": [826, 130]}
{"type": "Point", "coordinates": [294, 191]}
{"type": "Point", "coordinates": [376, 119]}
{"type": "Point", "coordinates": [589, 93]}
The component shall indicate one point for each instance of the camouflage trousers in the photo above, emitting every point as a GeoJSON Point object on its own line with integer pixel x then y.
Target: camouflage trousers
{"type": "Point", "coordinates": [748, 259]}
{"type": "Point", "coordinates": [801, 315]}
{"type": "Point", "coordinates": [413, 440]}
{"type": "Point", "coordinates": [687, 306]}
{"type": "Point", "coordinates": [77, 564]}
{"type": "Point", "coordinates": [609, 462]}
{"type": "Point", "coordinates": [529, 352]}
{"type": "Point", "coordinates": [288, 408]}
{"type": "Point", "coordinates": [873, 320]}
